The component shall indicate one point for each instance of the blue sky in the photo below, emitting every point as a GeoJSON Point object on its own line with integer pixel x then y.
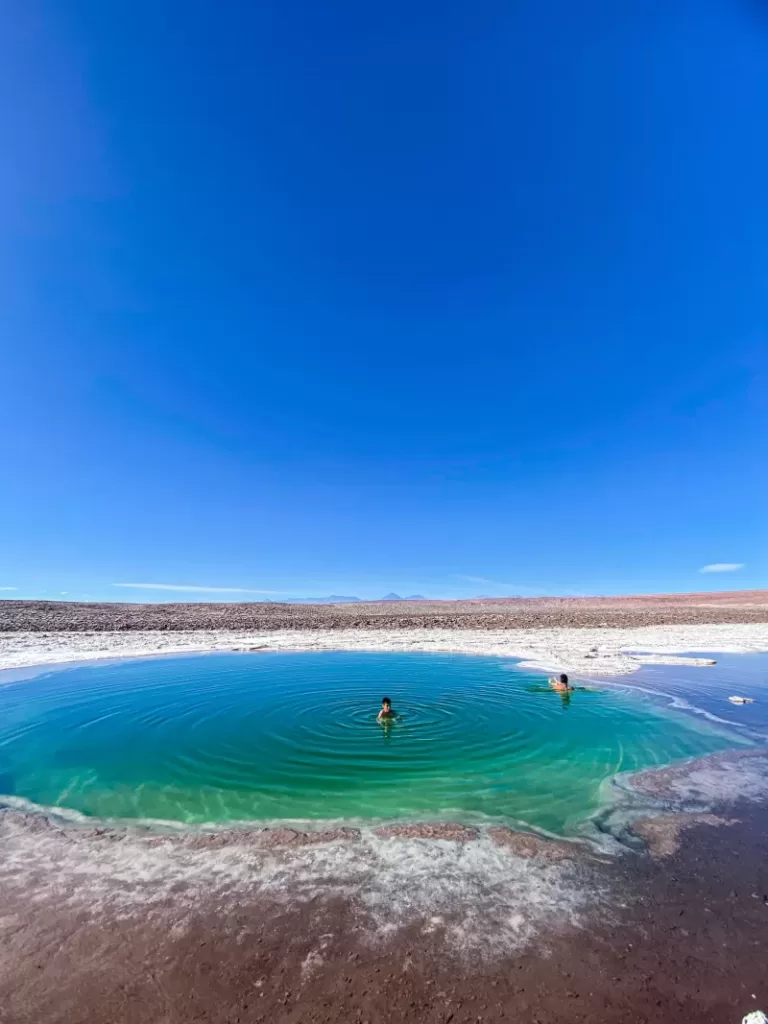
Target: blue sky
{"type": "Point", "coordinates": [449, 298]}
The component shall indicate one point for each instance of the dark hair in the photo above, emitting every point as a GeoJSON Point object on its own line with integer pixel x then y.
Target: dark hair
{"type": "Point", "coordinates": [563, 678]}
{"type": "Point", "coordinates": [386, 700]}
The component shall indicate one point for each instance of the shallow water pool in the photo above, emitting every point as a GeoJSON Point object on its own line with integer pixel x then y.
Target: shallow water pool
{"type": "Point", "coordinates": [266, 736]}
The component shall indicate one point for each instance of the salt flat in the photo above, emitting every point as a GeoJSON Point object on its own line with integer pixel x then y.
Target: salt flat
{"type": "Point", "coordinates": [582, 651]}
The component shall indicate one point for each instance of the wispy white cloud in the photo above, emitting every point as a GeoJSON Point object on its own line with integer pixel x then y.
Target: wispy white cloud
{"type": "Point", "coordinates": [485, 579]}
{"type": "Point", "coordinates": [520, 589]}
{"type": "Point", "coordinates": [722, 567]}
{"type": "Point", "coordinates": [9, 588]}
{"type": "Point", "coordinates": [193, 588]}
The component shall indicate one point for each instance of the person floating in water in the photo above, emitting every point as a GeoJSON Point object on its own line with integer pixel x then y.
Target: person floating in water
{"type": "Point", "coordinates": [560, 683]}
{"type": "Point", "coordinates": [386, 714]}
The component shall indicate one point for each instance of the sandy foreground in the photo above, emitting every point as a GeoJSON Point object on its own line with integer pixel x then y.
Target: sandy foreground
{"type": "Point", "coordinates": [583, 651]}
{"type": "Point", "coordinates": [663, 917]}
{"type": "Point", "coordinates": [109, 926]}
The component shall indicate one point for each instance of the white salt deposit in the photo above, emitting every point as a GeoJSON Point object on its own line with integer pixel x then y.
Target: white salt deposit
{"type": "Point", "coordinates": [599, 651]}
{"type": "Point", "coordinates": [719, 779]}
{"type": "Point", "coordinates": [487, 899]}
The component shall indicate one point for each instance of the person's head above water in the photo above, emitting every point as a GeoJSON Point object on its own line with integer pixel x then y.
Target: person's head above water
{"type": "Point", "coordinates": [386, 709]}
{"type": "Point", "coordinates": [560, 682]}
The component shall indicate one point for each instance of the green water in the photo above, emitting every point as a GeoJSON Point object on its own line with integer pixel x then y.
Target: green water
{"type": "Point", "coordinates": [231, 737]}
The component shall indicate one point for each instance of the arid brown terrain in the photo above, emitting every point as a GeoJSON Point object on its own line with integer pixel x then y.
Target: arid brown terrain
{"type": "Point", "coordinates": [482, 613]}
{"type": "Point", "coordinates": [688, 944]}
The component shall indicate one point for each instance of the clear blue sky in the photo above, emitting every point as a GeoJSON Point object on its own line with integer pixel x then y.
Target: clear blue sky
{"type": "Point", "coordinates": [455, 298]}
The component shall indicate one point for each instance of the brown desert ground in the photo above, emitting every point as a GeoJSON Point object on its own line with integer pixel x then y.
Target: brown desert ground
{"type": "Point", "coordinates": [743, 606]}
{"type": "Point", "coordinates": [685, 942]}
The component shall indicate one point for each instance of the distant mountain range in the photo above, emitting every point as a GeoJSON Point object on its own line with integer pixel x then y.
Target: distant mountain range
{"type": "Point", "coordinates": [340, 599]}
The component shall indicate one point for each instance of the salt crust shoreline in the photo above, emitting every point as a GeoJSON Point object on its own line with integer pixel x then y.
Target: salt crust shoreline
{"type": "Point", "coordinates": [489, 891]}
{"type": "Point", "coordinates": [501, 891]}
{"type": "Point", "coordinates": [582, 651]}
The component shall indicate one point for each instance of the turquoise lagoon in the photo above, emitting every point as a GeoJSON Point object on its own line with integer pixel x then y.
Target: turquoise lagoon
{"type": "Point", "coordinates": [224, 738]}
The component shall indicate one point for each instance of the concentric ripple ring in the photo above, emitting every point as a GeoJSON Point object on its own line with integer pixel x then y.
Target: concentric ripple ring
{"type": "Point", "coordinates": [293, 736]}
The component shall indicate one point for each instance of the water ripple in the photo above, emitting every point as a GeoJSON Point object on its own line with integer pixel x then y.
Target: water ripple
{"type": "Point", "coordinates": [233, 737]}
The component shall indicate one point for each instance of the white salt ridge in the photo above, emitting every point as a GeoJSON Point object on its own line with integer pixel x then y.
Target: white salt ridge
{"type": "Point", "coordinates": [599, 651]}
{"type": "Point", "coordinates": [487, 899]}
{"type": "Point", "coordinates": [683, 704]}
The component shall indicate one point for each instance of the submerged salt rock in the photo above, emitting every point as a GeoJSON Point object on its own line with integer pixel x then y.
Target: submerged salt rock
{"type": "Point", "coordinates": [429, 830]}
{"type": "Point", "coordinates": [292, 837]}
{"type": "Point", "coordinates": [525, 844]}
{"type": "Point", "coordinates": [275, 837]}
{"type": "Point", "coordinates": [261, 838]}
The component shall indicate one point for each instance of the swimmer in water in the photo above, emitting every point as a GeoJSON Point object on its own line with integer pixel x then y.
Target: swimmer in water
{"type": "Point", "coordinates": [386, 714]}
{"type": "Point", "coordinates": [560, 683]}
